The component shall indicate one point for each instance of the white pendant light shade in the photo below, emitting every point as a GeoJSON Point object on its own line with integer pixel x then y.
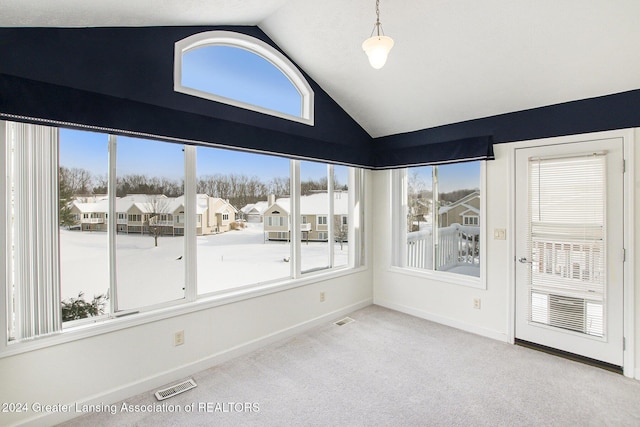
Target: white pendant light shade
{"type": "Point", "coordinates": [377, 49]}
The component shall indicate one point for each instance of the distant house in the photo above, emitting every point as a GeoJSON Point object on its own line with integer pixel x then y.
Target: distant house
{"type": "Point", "coordinates": [215, 215]}
{"type": "Point", "coordinates": [314, 210]}
{"type": "Point", "coordinates": [89, 216]}
{"type": "Point", "coordinates": [136, 212]}
{"type": "Point", "coordinates": [465, 211]}
{"type": "Point", "coordinates": [254, 212]}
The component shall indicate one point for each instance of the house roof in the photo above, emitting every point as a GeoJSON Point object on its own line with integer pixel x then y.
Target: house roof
{"type": "Point", "coordinates": [463, 201]}
{"type": "Point", "coordinates": [255, 208]}
{"type": "Point", "coordinates": [316, 204]}
{"type": "Point", "coordinates": [452, 61]}
{"type": "Point", "coordinates": [222, 206]}
{"type": "Point", "coordinates": [144, 204]}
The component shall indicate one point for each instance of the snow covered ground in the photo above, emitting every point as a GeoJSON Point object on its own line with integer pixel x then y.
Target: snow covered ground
{"type": "Point", "coordinates": [150, 275]}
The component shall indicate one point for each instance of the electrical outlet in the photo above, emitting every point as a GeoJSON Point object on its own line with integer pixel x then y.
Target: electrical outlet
{"type": "Point", "coordinates": [322, 296]}
{"type": "Point", "coordinates": [178, 338]}
{"type": "Point", "coordinates": [476, 303]}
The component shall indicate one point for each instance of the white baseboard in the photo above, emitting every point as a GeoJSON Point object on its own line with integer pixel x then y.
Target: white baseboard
{"type": "Point", "coordinates": [118, 394]}
{"type": "Point", "coordinates": [499, 336]}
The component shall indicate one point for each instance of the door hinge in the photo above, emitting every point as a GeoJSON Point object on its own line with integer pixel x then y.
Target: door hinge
{"type": "Point", "coordinates": [624, 255]}
{"type": "Point", "coordinates": [624, 343]}
{"type": "Point", "coordinates": [624, 165]}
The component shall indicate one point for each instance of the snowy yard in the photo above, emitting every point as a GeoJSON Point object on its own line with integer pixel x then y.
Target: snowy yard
{"type": "Point", "coordinates": [150, 275]}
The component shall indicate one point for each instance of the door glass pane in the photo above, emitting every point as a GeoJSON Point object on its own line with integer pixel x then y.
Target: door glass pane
{"type": "Point", "coordinates": [243, 219]}
{"type": "Point", "coordinates": [150, 223]}
{"type": "Point", "coordinates": [83, 209]}
{"type": "Point", "coordinates": [567, 241]}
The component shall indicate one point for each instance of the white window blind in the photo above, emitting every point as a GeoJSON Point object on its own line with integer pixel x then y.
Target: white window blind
{"type": "Point", "coordinates": [33, 269]}
{"type": "Point", "coordinates": [567, 200]}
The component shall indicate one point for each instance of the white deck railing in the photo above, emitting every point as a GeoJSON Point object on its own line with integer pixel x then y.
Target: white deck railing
{"type": "Point", "coordinates": [457, 245]}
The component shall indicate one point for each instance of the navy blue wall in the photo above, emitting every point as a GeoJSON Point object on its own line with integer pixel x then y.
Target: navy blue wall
{"type": "Point", "coordinates": [472, 138]}
{"type": "Point", "coordinates": [122, 79]}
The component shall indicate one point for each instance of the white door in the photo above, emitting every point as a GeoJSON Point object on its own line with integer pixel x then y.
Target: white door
{"type": "Point", "coordinates": [569, 248]}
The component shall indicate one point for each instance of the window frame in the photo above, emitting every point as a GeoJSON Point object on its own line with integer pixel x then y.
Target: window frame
{"type": "Point", "coordinates": [398, 183]}
{"type": "Point", "coordinates": [257, 47]}
{"type": "Point", "coordinates": [116, 320]}
{"type": "Point", "coordinates": [470, 220]}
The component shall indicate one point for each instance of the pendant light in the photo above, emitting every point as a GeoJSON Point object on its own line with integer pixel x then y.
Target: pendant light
{"type": "Point", "coordinates": [377, 46]}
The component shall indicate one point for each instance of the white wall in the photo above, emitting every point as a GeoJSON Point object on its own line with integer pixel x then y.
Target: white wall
{"type": "Point", "coordinates": [113, 366]}
{"type": "Point", "coordinates": [452, 304]}
{"type": "Point", "coordinates": [445, 302]}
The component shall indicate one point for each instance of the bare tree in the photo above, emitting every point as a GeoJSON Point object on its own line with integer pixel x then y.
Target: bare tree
{"type": "Point", "coordinates": [341, 233]}
{"type": "Point", "coordinates": [101, 184]}
{"type": "Point", "coordinates": [78, 181]}
{"type": "Point", "coordinates": [418, 201]}
{"type": "Point", "coordinates": [158, 207]}
{"type": "Point", "coordinates": [279, 186]}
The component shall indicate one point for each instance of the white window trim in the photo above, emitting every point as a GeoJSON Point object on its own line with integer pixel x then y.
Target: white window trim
{"type": "Point", "coordinates": [117, 320]}
{"type": "Point", "coordinates": [258, 47]}
{"type": "Point", "coordinates": [102, 324]}
{"type": "Point", "coordinates": [398, 178]}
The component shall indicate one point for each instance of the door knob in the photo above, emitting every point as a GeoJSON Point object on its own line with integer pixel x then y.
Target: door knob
{"type": "Point", "coordinates": [524, 260]}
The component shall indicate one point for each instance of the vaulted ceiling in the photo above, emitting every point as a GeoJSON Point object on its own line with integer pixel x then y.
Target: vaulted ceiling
{"type": "Point", "coordinates": [453, 60]}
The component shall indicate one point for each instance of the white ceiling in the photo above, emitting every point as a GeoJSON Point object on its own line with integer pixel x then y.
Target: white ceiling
{"type": "Point", "coordinates": [453, 60]}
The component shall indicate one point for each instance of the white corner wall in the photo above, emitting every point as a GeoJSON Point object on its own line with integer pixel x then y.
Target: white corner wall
{"type": "Point", "coordinates": [452, 304]}
{"type": "Point", "coordinates": [438, 301]}
{"type": "Point", "coordinates": [113, 366]}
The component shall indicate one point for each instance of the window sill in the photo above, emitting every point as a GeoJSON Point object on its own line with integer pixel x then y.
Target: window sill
{"type": "Point", "coordinates": [103, 325]}
{"type": "Point", "coordinates": [442, 276]}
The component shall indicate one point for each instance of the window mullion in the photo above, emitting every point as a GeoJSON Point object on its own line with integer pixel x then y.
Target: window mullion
{"type": "Point", "coordinates": [358, 206]}
{"type": "Point", "coordinates": [330, 225]}
{"type": "Point", "coordinates": [435, 221]}
{"type": "Point", "coordinates": [294, 215]}
{"type": "Point", "coordinates": [190, 180]}
{"type": "Point", "coordinates": [399, 184]}
{"type": "Point", "coordinates": [353, 221]}
{"type": "Point", "coordinates": [111, 228]}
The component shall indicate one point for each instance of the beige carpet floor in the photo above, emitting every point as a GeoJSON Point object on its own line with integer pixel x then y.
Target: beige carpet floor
{"type": "Point", "coordinates": [391, 369]}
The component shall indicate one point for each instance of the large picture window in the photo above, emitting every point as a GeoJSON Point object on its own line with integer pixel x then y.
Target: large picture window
{"type": "Point", "coordinates": [83, 225]}
{"type": "Point", "coordinates": [239, 195]}
{"type": "Point", "coordinates": [95, 233]}
{"type": "Point", "coordinates": [438, 219]}
{"type": "Point", "coordinates": [149, 247]}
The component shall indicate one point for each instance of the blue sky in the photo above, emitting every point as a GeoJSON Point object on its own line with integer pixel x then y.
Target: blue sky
{"type": "Point", "coordinates": [241, 75]}
{"type": "Point", "coordinates": [455, 176]}
{"type": "Point", "coordinates": [251, 79]}
{"type": "Point", "coordinates": [88, 150]}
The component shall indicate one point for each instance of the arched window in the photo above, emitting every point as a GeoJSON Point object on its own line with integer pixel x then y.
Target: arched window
{"type": "Point", "coordinates": [243, 71]}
